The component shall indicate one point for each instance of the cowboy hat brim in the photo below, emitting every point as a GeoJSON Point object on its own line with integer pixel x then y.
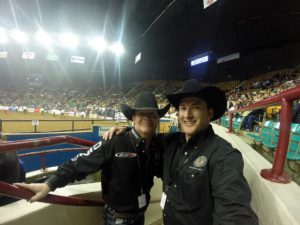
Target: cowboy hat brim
{"type": "Point", "coordinates": [128, 111]}
{"type": "Point", "coordinates": [213, 96]}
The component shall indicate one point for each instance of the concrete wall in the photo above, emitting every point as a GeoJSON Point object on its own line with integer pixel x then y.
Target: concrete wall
{"type": "Point", "coordinates": [23, 212]}
{"type": "Point", "coordinates": [274, 203]}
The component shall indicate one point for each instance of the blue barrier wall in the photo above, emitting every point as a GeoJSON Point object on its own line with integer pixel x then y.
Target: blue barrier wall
{"type": "Point", "coordinates": [53, 159]}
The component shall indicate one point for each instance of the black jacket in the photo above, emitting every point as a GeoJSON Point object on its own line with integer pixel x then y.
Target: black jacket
{"type": "Point", "coordinates": [204, 182]}
{"type": "Point", "coordinates": [127, 170]}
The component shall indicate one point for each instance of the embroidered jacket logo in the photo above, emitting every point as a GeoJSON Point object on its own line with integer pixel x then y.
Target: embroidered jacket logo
{"type": "Point", "coordinates": [125, 154]}
{"type": "Point", "coordinates": [200, 162]}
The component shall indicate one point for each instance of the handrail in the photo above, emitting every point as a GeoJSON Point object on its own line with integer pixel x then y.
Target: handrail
{"type": "Point", "coordinates": [17, 192]}
{"type": "Point", "coordinates": [21, 193]}
{"type": "Point", "coordinates": [42, 154]}
{"type": "Point", "coordinates": [285, 98]}
{"type": "Point", "coordinates": [53, 151]}
{"type": "Point", "coordinates": [40, 142]}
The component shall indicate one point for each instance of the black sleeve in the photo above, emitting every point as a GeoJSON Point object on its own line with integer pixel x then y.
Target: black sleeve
{"type": "Point", "coordinates": [231, 192]}
{"type": "Point", "coordinates": [157, 159]}
{"type": "Point", "coordinates": [81, 165]}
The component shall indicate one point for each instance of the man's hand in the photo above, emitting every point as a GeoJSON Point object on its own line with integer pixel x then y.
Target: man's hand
{"type": "Point", "coordinates": [112, 131]}
{"type": "Point", "coordinates": [40, 190]}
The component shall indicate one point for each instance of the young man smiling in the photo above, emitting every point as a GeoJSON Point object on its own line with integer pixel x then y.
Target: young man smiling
{"type": "Point", "coordinates": [194, 115]}
{"type": "Point", "coordinates": [203, 181]}
{"type": "Point", "coordinates": [128, 163]}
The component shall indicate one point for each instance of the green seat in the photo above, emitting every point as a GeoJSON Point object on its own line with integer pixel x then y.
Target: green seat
{"type": "Point", "coordinates": [225, 122]}
{"type": "Point", "coordinates": [271, 139]}
{"type": "Point", "coordinates": [236, 123]}
{"type": "Point", "coordinates": [294, 127]}
{"type": "Point", "coordinates": [294, 145]}
{"type": "Point", "coordinates": [266, 131]}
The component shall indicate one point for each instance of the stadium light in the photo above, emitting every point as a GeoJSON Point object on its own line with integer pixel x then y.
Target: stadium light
{"type": "Point", "coordinates": [69, 40]}
{"type": "Point", "coordinates": [117, 48]}
{"type": "Point", "coordinates": [3, 39]}
{"type": "Point", "coordinates": [43, 38]}
{"type": "Point", "coordinates": [98, 43]}
{"type": "Point", "coordinates": [199, 60]}
{"type": "Point", "coordinates": [19, 36]}
{"type": "Point", "coordinates": [3, 36]}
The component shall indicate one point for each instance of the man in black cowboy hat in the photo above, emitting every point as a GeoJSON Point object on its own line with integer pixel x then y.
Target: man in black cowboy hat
{"type": "Point", "coordinates": [203, 181]}
{"type": "Point", "coordinates": [128, 163]}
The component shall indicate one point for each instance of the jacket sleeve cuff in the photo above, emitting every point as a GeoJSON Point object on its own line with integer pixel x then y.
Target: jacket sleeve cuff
{"type": "Point", "coordinates": [54, 182]}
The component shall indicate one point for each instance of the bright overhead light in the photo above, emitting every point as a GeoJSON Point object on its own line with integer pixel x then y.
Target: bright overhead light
{"type": "Point", "coordinates": [28, 55]}
{"type": "Point", "coordinates": [43, 37]}
{"type": "Point", "coordinates": [98, 43]}
{"type": "Point", "coordinates": [69, 40]}
{"type": "Point", "coordinates": [138, 58]}
{"type": "Point", "coordinates": [77, 59]}
{"type": "Point", "coordinates": [3, 54]}
{"type": "Point", "coordinates": [117, 48]}
{"type": "Point", "coordinates": [19, 36]}
{"type": "Point", "coordinates": [3, 36]}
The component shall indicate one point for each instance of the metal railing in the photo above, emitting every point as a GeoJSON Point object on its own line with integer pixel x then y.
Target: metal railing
{"type": "Point", "coordinates": [44, 152]}
{"type": "Point", "coordinates": [68, 125]}
{"type": "Point", "coordinates": [18, 192]}
{"type": "Point", "coordinates": [285, 99]}
{"type": "Point", "coordinates": [21, 193]}
{"type": "Point", "coordinates": [40, 142]}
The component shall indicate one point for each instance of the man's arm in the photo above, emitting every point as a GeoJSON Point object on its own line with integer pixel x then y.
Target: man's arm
{"type": "Point", "coordinates": [114, 131]}
{"type": "Point", "coordinates": [74, 169]}
{"type": "Point", "coordinates": [231, 192]}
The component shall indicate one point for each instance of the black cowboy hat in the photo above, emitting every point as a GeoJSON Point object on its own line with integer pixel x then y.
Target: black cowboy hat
{"type": "Point", "coordinates": [144, 101]}
{"type": "Point", "coordinates": [213, 96]}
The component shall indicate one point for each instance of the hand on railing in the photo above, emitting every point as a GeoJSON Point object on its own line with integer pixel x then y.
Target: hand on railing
{"type": "Point", "coordinates": [21, 193]}
{"type": "Point", "coordinates": [40, 190]}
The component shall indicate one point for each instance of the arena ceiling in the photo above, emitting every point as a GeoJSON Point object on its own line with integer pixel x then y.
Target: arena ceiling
{"type": "Point", "coordinates": [166, 32]}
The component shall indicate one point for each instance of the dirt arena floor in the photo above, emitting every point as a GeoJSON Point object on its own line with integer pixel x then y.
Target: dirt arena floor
{"type": "Point", "coordinates": [47, 122]}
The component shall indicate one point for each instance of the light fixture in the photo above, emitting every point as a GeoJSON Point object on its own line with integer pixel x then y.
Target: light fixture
{"type": "Point", "coordinates": [19, 36]}
{"type": "Point", "coordinates": [98, 44]}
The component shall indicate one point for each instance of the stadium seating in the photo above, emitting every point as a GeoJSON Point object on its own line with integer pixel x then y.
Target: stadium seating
{"type": "Point", "coordinates": [236, 123]}
{"type": "Point", "coordinates": [269, 136]}
{"type": "Point", "coordinates": [271, 139]}
{"type": "Point", "coordinates": [225, 121]}
{"type": "Point", "coordinates": [266, 131]}
{"type": "Point", "coordinates": [294, 145]}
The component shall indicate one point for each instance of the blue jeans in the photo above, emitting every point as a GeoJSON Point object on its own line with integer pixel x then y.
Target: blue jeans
{"type": "Point", "coordinates": [251, 121]}
{"type": "Point", "coordinates": [112, 218]}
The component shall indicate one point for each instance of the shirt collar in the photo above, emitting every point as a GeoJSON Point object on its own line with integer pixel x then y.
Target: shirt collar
{"type": "Point", "coordinates": [136, 137]}
{"type": "Point", "coordinates": [197, 137]}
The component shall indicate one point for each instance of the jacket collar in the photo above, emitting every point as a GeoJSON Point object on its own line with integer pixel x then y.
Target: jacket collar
{"type": "Point", "coordinates": [136, 137]}
{"type": "Point", "coordinates": [199, 137]}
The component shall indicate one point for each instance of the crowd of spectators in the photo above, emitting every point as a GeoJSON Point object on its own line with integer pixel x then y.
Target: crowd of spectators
{"type": "Point", "coordinates": [259, 88]}
{"type": "Point", "coordinates": [262, 87]}
{"type": "Point", "coordinates": [105, 101]}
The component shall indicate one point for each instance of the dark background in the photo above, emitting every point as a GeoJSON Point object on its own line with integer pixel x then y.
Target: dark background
{"type": "Point", "coordinates": [168, 33]}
